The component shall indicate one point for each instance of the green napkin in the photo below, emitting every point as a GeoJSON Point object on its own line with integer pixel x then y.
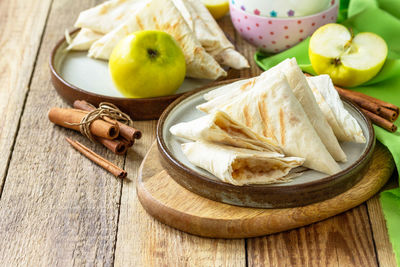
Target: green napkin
{"type": "Point", "coordinates": [383, 18]}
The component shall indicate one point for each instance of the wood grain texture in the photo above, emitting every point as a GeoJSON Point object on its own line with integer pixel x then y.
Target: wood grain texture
{"type": "Point", "coordinates": [384, 249]}
{"type": "Point", "coordinates": [172, 204]}
{"type": "Point", "coordinates": [143, 241]}
{"type": "Point", "coordinates": [57, 208]}
{"type": "Point", "coordinates": [21, 24]}
{"type": "Point", "coordinates": [344, 240]}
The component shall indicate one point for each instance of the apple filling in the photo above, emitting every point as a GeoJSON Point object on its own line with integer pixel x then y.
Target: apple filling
{"type": "Point", "coordinates": [226, 126]}
{"type": "Point", "coordinates": [254, 169]}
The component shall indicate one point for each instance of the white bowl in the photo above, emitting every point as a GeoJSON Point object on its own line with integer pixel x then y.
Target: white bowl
{"type": "Point", "coordinates": [283, 8]}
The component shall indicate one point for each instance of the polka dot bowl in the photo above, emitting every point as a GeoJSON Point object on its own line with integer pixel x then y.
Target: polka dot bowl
{"type": "Point", "coordinates": [277, 34]}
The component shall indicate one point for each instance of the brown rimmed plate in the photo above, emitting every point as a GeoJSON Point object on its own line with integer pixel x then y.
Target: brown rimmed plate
{"type": "Point", "coordinates": [310, 187]}
{"type": "Point", "coordinates": [76, 76]}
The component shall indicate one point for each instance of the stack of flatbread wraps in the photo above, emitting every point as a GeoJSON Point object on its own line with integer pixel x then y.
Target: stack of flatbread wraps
{"type": "Point", "coordinates": [204, 44]}
{"type": "Point", "coordinates": [257, 130]}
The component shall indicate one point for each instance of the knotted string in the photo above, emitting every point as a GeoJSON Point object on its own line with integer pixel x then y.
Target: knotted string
{"type": "Point", "coordinates": [105, 110]}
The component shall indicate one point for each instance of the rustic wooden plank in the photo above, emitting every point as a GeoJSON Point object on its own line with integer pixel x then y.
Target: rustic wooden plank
{"type": "Point", "coordinates": [344, 240]}
{"type": "Point", "coordinates": [57, 207]}
{"type": "Point", "coordinates": [383, 247]}
{"type": "Point", "coordinates": [21, 26]}
{"type": "Point", "coordinates": [143, 241]}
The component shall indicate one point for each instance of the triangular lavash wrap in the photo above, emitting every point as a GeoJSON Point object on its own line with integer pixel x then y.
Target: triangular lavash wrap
{"type": "Point", "coordinates": [239, 166]}
{"type": "Point", "coordinates": [164, 16]}
{"type": "Point", "coordinates": [220, 128]}
{"type": "Point", "coordinates": [303, 93]}
{"type": "Point", "coordinates": [344, 125]}
{"type": "Point", "coordinates": [209, 34]}
{"type": "Point", "coordinates": [271, 109]}
{"type": "Point", "coordinates": [82, 40]}
{"type": "Point", "coordinates": [301, 90]}
{"type": "Point", "coordinates": [227, 93]}
{"type": "Point", "coordinates": [107, 16]}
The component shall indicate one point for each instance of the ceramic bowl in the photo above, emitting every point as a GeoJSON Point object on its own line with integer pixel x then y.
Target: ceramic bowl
{"type": "Point", "coordinates": [75, 76]}
{"type": "Point", "coordinates": [277, 34]}
{"type": "Point", "coordinates": [283, 9]}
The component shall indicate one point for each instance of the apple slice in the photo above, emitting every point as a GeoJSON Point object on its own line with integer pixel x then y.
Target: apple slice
{"type": "Point", "coordinates": [349, 61]}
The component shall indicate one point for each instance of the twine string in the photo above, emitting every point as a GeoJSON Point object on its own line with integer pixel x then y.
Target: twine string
{"type": "Point", "coordinates": [105, 110]}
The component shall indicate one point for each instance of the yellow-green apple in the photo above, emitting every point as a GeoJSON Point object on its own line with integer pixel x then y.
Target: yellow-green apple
{"type": "Point", "coordinates": [349, 60]}
{"type": "Point", "coordinates": [147, 64]}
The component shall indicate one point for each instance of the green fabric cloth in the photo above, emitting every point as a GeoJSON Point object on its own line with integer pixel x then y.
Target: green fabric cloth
{"type": "Point", "coordinates": [383, 18]}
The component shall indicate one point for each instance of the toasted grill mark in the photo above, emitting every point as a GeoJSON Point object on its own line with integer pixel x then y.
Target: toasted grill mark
{"type": "Point", "coordinates": [247, 84]}
{"type": "Point", "coordinates": [247, 117]}
{"type": "Point", "coordinates": [293, 119]}
{"type": "Point", "coordinates": [139, 22]}
{"type": "Point", "coordinates": [103, 10]}
{"type": "Point", "coordinates": [281, 121]}
{"type": "Point", "coordinates": [262, 109]}
{"type": "Point", "coordinates": [198, 50]}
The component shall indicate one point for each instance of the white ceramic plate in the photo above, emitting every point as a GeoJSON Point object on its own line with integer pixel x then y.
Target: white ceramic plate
{"type": "Point", "coordinates": [186, 111]}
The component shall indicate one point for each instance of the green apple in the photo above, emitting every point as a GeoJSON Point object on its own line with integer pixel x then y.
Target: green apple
{"type": "Point", "coordinates": [349, 61]}
{"type": "Point", "coordinates": [147, 64]}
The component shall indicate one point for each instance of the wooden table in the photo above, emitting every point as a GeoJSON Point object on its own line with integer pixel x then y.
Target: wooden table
{"type": "Point", "coordinates": [57, 208]}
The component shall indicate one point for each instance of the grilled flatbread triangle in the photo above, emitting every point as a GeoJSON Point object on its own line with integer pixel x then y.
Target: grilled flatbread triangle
{"type": "Point", "coordinates": [344, 125]}
{"type": "Point", "coordinates": [225, 94]}
{"type": "Point", "coordinates": [301, 90]}
{"type": "Point", "coordinates": [107, 16]}
{"type": "Point", "coordinates": [82, 40]}
{"type": "Point", "coordinates": [220, 128]}
{"type": "Point", "coordinates": [240, 166]}
{"type": "Point", "coordinates": [272, 110]}
{"type": "Point", "coordinates": [209, 34]}
{"type": "Point", "coordinates": [164, 16]}
{"type": "Point", "coordinates": [303, 93]}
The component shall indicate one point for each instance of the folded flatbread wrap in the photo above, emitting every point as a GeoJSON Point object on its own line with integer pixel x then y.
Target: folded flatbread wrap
{"type": "Point", "coordinates": [303, 93]}
{"type": "Point", "coordinates": [83, 40]}
{"type": "Point", "coordinates": [230, 89]}
{"type": "Point", "coordinates": [301, 90]}
{"type": "Point", "coordinates": [344, 125]}
{"type": "Point", "coordinates": [107, 16]}
{"type": "Point", "coordinates": [240, 166]}
{"type": "Point", "coordinates": [209, 34]}
{"type": "Point", "coordinates": [225, 94]}
{"type": "Point", "coordinates": [271, 109]}
{"type": "Point", "coordinates": [220, 128]}
{"type": "Point", "coordinates": [164, 16]}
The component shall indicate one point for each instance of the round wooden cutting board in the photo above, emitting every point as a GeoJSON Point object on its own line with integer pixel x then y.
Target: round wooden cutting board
{"type": "Point", "coordinates": [175, 206]}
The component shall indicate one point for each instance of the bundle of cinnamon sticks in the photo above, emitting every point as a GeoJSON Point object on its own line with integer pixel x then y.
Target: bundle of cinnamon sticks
{"type": "Point", "coordinates": [381, 113]}
{"type": "Point", "coordinates": [114, 135]}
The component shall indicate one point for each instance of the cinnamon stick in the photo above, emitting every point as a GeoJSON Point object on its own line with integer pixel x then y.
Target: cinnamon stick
{"type": "Point", "coordinates": [102, 162]}
{"type": "Point", "coordinates": [385, 124]}
{"type": "Point", "coordinates": [117, 146]}
{"type": "Point", "coordinates": [126, 131]}
{"type": "Point", "coordinates": [128, 143]}
{"type": "Point", "coordinates": [362, 102]}
{"type": "Point", "coordinates": [377, 106]}
{"type": "Point", "coordinates": [388, 114]}
{"type": "Point", "coordinates": [372, 99]}
{"type": "Point", "coordinates": [66, 117]}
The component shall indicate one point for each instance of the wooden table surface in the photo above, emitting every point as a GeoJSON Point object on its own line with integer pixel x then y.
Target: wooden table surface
{"type": "Point", "coordinates": [59, 209]}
